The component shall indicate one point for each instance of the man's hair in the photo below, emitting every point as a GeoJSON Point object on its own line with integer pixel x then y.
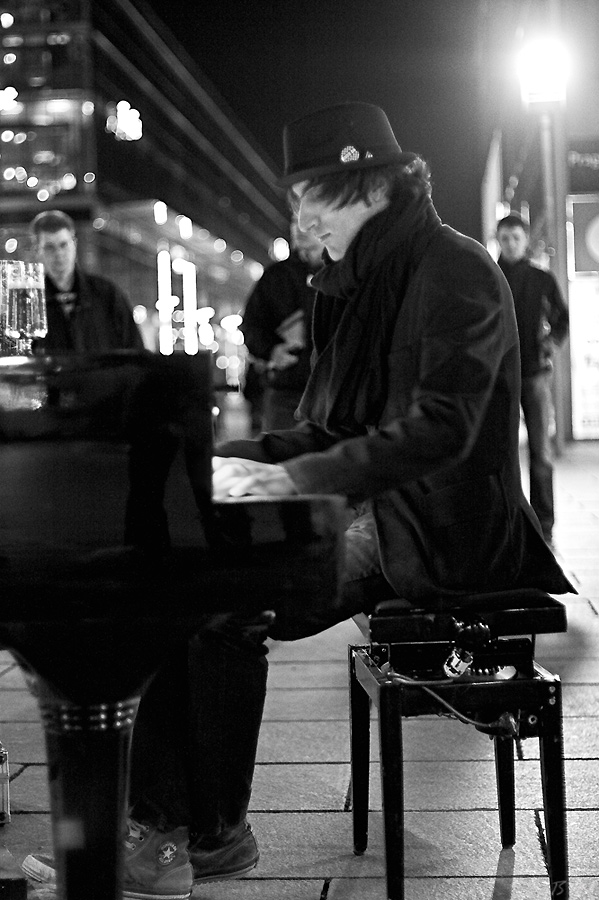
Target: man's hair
{"type": "Point", "coordinates": [51, 221]}
{"type": "Point", "coordinates": [345, 188]}
{"type": "Point", "coordinates": [513, 221]}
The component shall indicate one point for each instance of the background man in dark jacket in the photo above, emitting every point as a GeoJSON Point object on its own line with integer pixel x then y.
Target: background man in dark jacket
{"type": "Point", "coordinates": [411, 411]}
{"type": "Point", "coordinates": [542, 318]}
{"type": "Point", "coordinates": [85, 312]}
{"type": "Point", "coordinates": [277, 326]}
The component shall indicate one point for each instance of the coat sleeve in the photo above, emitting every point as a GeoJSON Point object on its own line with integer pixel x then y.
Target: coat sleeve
{"type": "Point", "coordinates": [279, 446]}
{"type": "Point", "coordinates": [456, 327]}
{"type": "Point", "coordinates": [558, 312]}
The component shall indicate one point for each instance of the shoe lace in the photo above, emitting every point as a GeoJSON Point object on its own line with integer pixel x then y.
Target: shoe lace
{"type": "Point", "coordinates": [136, 830]}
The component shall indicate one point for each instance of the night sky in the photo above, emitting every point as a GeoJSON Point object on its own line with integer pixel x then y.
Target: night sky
{"type": "Point", "coordinates": [274, 60]}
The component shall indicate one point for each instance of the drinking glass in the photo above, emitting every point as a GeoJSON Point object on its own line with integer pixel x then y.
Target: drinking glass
{"type": "Point", "coordinates": [6, 345]}
{"type": "Point", "coordinates": [26, 317]}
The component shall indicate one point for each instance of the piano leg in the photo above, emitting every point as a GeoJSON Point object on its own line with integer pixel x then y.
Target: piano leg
{"type": "Point", "coordinates": [88, 679]}
{"type": "Point", "coordinates": [88, 749]}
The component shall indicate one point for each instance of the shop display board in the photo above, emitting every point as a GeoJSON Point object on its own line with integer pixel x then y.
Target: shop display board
{"type": "Point", "coordinates": [584, 352]}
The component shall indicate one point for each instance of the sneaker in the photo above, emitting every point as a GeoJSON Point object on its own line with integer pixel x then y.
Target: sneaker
{"type": "Point", "coordinates": [157, 865]}
{"type": "Point", "coordinates": [235, 857]}
{"type": "Point", "coordinates": [40, 868]}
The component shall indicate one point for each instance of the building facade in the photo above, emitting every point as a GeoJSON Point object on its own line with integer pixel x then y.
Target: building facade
{"type": "Point", "coordinates": [105, 116]}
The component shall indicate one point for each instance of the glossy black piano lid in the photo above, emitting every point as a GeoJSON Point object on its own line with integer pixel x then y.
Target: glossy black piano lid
{"type": "Point", "coordinates": [104, 449]}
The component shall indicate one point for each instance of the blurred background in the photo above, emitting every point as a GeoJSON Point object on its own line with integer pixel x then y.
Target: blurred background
{"type": "Point", "coordinates": [157, 127]}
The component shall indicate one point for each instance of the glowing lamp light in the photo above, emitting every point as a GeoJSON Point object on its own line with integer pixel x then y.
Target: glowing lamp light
{"type": "Point", "coordinates": [8, 98]}
{"type": "Point", "coordinates": [178, 265]}
{"type": "Point", "coordinates": [206, 334]}
{"type": "Point", "coordinates": [160, 213]}
{"type": "Point", "coordinates": [543, 69]}
{"type": "Point", "coordinates": [140, 314]}
{"type": "Point", "coordinates": [164, 303]}
{"type": "Point", "coordinates": [255, 270]}
{"type": "Point", "coordinates": [280, 249]}
{"type": "Point", "coordinates": [126, 124]}
{"type": "Point", "coordinates": [190, 303]}
{"type": "Point", "coordinates": [232, 322]}
{"type": "Point", "coordinates": [185, 227]}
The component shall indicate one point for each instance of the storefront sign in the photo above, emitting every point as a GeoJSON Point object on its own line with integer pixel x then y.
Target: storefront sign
{"type": "Point", "coordinates": [582, 212]}
{"type": "Point", "coordinates": [583, 166]}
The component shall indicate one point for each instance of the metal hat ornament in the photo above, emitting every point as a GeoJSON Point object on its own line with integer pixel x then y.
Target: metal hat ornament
{"type": "Point", "coordinates": [337, 139]}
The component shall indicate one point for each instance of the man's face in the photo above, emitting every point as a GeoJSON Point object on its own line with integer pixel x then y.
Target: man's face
{"type": "Point", "coordinates": [513, 242]}
{"type": "Point", "coordinates": [307, 246]}
{"type": "Point", "coordinates": [334, 228]}
{"type": "Point", "coordinates": [58, 251]}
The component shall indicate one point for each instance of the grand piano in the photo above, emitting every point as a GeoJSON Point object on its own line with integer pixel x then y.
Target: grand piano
{"type": "Point", "coordinates": [111, 550]}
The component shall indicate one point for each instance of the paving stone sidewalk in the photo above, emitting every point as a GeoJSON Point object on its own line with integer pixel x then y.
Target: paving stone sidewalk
{"type": "Point", "coordinates": [300, 802]}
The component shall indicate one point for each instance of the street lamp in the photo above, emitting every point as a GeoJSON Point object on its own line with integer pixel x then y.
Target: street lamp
{"type": "Point", "coordinates": [543, 68]}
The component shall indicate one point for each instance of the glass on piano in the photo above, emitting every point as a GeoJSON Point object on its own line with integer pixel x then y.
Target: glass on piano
{"type": "Point", "coordinates": [26, 317]}
{"type": "Point", "coordinates": [7, 347]}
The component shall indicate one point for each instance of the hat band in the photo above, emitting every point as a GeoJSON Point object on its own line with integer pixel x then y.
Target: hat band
{"type": "Point", "coordinates": [348, 155]}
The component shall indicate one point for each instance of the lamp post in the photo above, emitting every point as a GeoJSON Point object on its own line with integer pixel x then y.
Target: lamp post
{"type": "Point", "coordinates": [543, 70]}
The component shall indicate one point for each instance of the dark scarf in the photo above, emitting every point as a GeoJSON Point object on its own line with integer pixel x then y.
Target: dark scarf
{"type": "Point", "coordinates": [355, 313]}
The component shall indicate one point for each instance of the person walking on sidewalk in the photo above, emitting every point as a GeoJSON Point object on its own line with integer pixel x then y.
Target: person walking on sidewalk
{"type": "Point", "coordinates": [542, 318]}
{"type": "Point", "coordinates": [411, 411]}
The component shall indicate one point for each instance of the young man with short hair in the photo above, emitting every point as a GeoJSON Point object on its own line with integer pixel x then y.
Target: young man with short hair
{"type": "Point", "coordinates": [86, 313]}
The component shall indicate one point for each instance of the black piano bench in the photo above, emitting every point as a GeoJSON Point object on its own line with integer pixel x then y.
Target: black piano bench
{"type": "Point", "coordinates": [474, 662]}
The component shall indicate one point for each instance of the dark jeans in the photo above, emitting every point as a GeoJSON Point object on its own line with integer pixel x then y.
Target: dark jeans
{"type": "Point", "coordinates": [195, 738]}
{"type": "Point", "coordinates": [537, 406]}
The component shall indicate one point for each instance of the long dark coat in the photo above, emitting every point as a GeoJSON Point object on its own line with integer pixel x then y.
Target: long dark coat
{"type": "Point", "coordinates": [441, 469]}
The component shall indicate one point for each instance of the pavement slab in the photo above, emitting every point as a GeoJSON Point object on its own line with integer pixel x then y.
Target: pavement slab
{"type": "Point", "coordinates": [301, 797]}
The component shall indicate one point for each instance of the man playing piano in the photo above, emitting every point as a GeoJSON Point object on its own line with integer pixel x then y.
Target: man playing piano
{"type": "Point", "coordinates": [411, 412]}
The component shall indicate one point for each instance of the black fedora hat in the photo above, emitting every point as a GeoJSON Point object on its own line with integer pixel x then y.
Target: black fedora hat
{"type": "Point", "coordinates": [337, 139]}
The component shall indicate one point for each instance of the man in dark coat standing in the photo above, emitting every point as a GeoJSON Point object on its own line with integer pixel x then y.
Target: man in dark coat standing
{"type": "Point", "coordinates": [277, 326]}
{"type": "Point", "coordinates": [86, 313]}
{"type": "Point", "coordinates": [542, 318]}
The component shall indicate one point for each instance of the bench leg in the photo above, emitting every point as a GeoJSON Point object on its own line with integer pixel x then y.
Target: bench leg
{"type": "Point", "coordinates": [359, 721]}
{"type": "Point", "coordinates": [506, 791]}
{"type": "Point", "coordinates": [392, 786]}
{"type": "Point", "coordinates": [554, 793]}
